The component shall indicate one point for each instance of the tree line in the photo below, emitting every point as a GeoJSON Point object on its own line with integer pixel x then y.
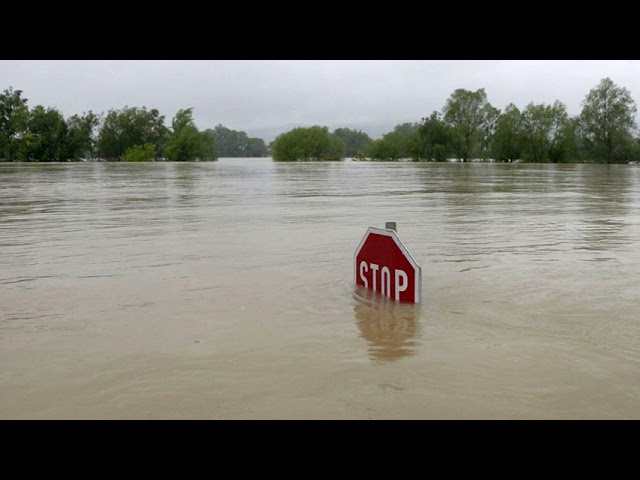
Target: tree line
{"type": "Point", "coordinates": [469, 127]}
{"type": "Point", "coordinates": [130, 134]}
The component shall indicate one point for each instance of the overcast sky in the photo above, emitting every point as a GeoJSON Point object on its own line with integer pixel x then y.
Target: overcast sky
{"type": "Point", "coordinates": [267, 97]}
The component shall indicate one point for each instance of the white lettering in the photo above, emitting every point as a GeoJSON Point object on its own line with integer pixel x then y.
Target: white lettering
{"type": "Point", "coordinates": [401, 287]}
{"type": "Point", "coordinates": [401, 279]}
{"type": "Point", "coordinates": [363, 268]}
{"type": "Point", "coordinates": [375, 268]}
{"type": "Point", "coordinates": [386, 291]}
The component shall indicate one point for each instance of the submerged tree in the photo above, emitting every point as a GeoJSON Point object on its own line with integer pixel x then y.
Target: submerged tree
{"type": "Point", "coordinates": [408, 129]}
{"type": "Point", "coordinates": [186, 143]}
{"type": "Point", "coordinates": [433, 139]}
{"type": "Point", "coordinates": [467, 113]}
{"type": "Point", "coordinates": [403, 142]}
{"type": "Point", "coordinates": [128, 127]}
{"type": "Point", "coordinates": [509, 140]}
{"type": "Point", "coordinates": [140, 153]}
{"type": "Point", "coordinates": [354, 140]}
{"type": "Point", "coordinates": [207, 147]}
{"type": "Point", "coordinates": [45, 137]}
{"type": "Point", "coordinates": [232, 143]}
{"type": "Point", "coordinates": [607, 122]}
{"type": "Point", "coordinates": [488, 130]}
{"type": "Point", "coordinates": [14, 115]}
{"type": "Point", "coordinates": [81, 135]}
{"type": "Point", "coordinates": [391, 147]}
{"type": "Point", "coordinates": [543, 128]}
{"type": "Point", "coordinates": [308, 143]}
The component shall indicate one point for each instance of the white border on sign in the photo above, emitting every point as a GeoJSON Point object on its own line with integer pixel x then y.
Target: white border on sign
{"type": "Point", "coordinates": [405, 251]}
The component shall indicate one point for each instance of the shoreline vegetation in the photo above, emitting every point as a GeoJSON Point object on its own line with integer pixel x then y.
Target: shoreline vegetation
{"type": "Point", "coordinates": [467, 129]}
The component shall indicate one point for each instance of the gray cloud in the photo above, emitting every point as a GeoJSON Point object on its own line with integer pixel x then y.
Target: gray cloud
{"type": "Point", "coordinates": [267, 97]}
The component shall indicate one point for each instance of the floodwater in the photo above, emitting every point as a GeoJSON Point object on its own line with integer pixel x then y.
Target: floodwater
{"type": "Point", "coordinates": [226, 291]}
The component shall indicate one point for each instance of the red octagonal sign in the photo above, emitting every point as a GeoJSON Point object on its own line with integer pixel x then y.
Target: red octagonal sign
{"type": "Point", "coordinates": [384, 264]}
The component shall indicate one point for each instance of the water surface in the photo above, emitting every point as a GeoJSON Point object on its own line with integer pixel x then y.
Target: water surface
{"type": "Point", "coordinates": [225, 290]}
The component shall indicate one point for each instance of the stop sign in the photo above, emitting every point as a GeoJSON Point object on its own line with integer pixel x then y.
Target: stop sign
{"type": "Point", "coordinates": [384, 264]}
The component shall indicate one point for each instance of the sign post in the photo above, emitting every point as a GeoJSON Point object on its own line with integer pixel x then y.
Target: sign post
{"type": "Point", "coordinates": [384, 264]}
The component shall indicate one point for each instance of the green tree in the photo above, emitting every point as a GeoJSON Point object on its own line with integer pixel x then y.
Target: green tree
{"type": "Point", "coordinates": [140, 153]}
{"type": "Point", "coordinates": [207, 147]}
{"type": "Point", "coordinates": [401, 143]}
{"type": "Point", "coordinates": [432, 140]}
{"type": "Point", "coordinates": [186, 143]}
{"type": "Point", "coordinates": [81, 135]}
{"type": "Point", "coordinates": [45, 138]}
{"type": "Point", "coordinates": [509, 139]}
{"type": "Point", "coordinates": [607, 122]}
{"type": "Point", "coordinates": [232, 143]}
{"type": "Point", "coordinates": [467, 113]}
{"type": "Point", "coordinates": [568, 147]}
{"type": "Point", "coordinates": [14, 116]}
{"type": "Point", "coordinates": [488, 130]}
{"type": "Point", "coordinates": [635, 150]}
{"type": "Point", "coordinates": [354, 140]}
{"type": "Point", "coordinates": [407, 129]}
{"type": "Point", "coordinates": [128, 127]}
{"type": "Point", "coordinates": [410, 133]}
{"type": "Point", "coordinates": [392, 146]}
{"type": "Point", "coordinates": [308, 143]}
{"type": "Point", "coordinates": [543, 127]}
{"type": "Point", "coordinates": [229, 143]}
{"type": "Point", "coordinates": [256, 148]}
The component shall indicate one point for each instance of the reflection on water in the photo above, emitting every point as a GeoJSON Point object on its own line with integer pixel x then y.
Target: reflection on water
{"type": "Point", "coordinates": [390, 328]}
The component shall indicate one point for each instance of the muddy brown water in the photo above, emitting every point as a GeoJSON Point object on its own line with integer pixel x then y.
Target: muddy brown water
{"type": "Point", "coordinates": [225, 291]}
